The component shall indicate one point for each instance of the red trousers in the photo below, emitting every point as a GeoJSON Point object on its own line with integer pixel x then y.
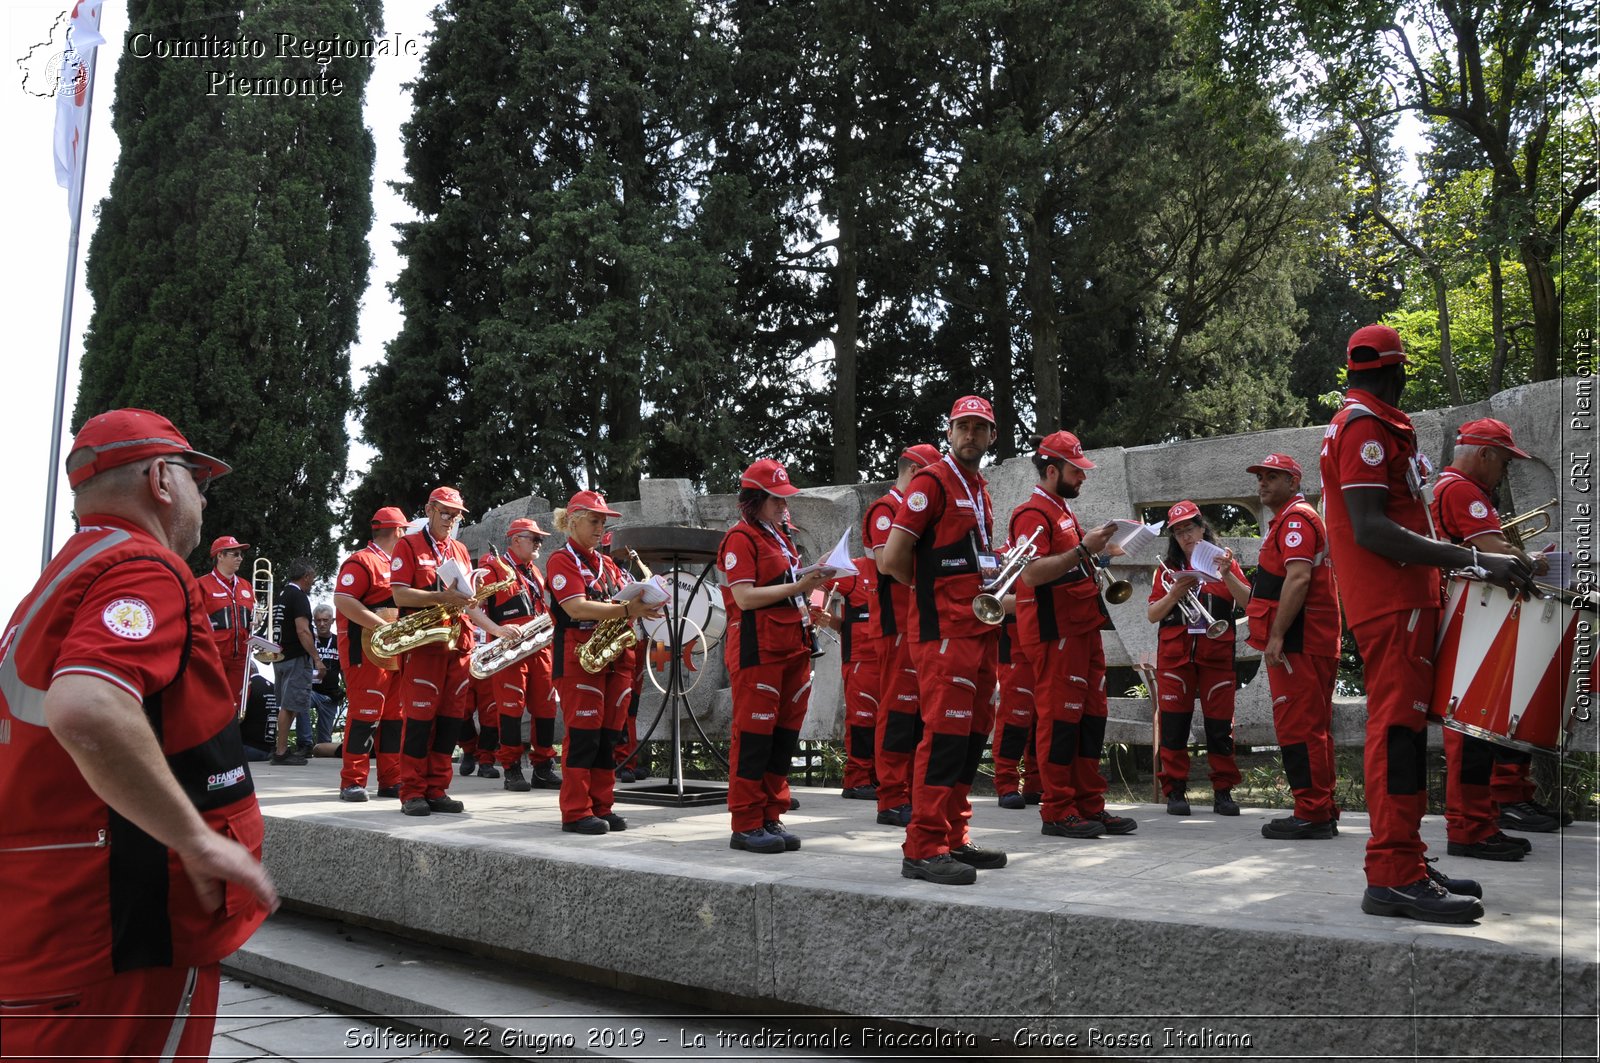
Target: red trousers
{"type": "Point", "coordinates": [432, 689]}
{"type": "Point", "coordinates": [522, 689]}
{"type": "Point", "coordinates": [480, 721]}
{"type": "Point", "coordinates": [860, 720]}
{"type": "Point", "coordinates": [769, 705]}
{"type": "Point", "coordinates": [1302, 716]}
{"type": "Point", "coordinates": [1070, 695]}
{"type": "Point", "coordinates": [588, 751]}
{"type": "Point", "coordinates": [956, 678]}
{"type": "Point", "coordinates": [1397, 652]}
{"type": "Point", "coordinates": [1014, 723]}
{"type": "Point", "coordinates": [1470, 811]}
{"type": "Point", "coordinates": [373, 720]}
{"type": "Point", "coordinates": [153, 1013]}
{"type": "Point", "coordinates": [1511, 780]}
{"type": "Point", "coordinates": [899, 725]}
{"type": "Point", "coordinates": [234, 669]}
{"type": "Point", "coordinates": [1179, 681]}
{"type": "Point", "coordinates": [625, 724]}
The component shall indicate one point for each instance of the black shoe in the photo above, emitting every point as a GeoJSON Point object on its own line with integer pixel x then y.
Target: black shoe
{"type": "Point", "coordinates": [1424, 899]}
{"type": "Point", "coordinates": [774, 827]}
{"type": "Point", "coordinates": [1466, 887]}
{"type": "Point", "coordinates": [515, 782]}
{"type": "Point", "coordinates": [615, 822]}
{"type": "Point", "coordinates": [1177, 804]}
{"type": "Point", "coordinates": [1115, 824]}
{"type": "Point", "coordinates": [468, 765]}
{"type": "Point", "coordinates": [353, 793]}
{"type": "Point", "coordinates": [860, 793]}
{"type": "Point", "coordinates": [640, 773]}
{"type": "Point", "coordinates": [1223, 803]}
{"type": "Point", "coordinates": [446, 804]}
{"type": "Point", "coordinates": [1491, 848]}
{"type": "Point", "coordinates": [288, 760]}
{"type": "Point", "coordinates": [545, 777]}
{"type": "Point", "coordinates": [1291, 828]}
{"type": "Point", "coordinates": [388, 791]}
{"type": "Point", "coordinates": [1073, 827]}
{"type": "Point", "coordinates": [587, 825]}
{"type": "Point", "coordinates": [1013, 800]}
{"type": "Point", "coordinates": [1564, 815]}
{"type": "Point", "coordinates": [943, 869]}
{"type": "Point", "coordinates": [1522, 843]}
{"type": "Point", "coordinates": [982, 859]}
{"type": "Point", "coordinates": [625, 775]}
{"type": "Point", "coordinates": [759, 840]}
{"type": "Point", "coordinates": [898, 816]}
{"type": "Point", "coordinates": [416, 806]}
{"type": "Point", "coordinates": [794, 803]}
{"type": "Point", "coordinates": [1529, 818]}
{"type": "Point", "coordinates": [1033, 798]}
{"type": "Point", "coordinates": [488, 771]}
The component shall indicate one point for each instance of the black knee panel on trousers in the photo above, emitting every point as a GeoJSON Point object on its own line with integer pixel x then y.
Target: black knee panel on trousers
{"type": "Point", "coordinates": [583, 748]}
{"type": "Point", "coordinates": [900, 732]}
{"type": "Point", "coordinates": [359, 737]}
{"type": "Point", "coordinates": [489, 740]}
{"type": "Point", "coordinates": [1408, 761]}
{"type": "Point", "coordinates": [1063, 742]}
{"type": "Point", "coordinates": [1507, 755]}
{"type": "Point", "coordinates": [1477, 761]}
{"type": "Point", "coordinates": [389, 732]}
{"type": "Point", "coordinates": [947, 760]}
{"type": "Point", "coordinates": [418, 734]}
{"type": "Point", "coordinates": [1091, 737]}
{"type": "Point", "coordinates": [510, 731]}
{"type": "Point", "coordinates": [1297, 766]}
{"type": "Point", "coordinates": [755, 752]}
{"type": "Point", "coordinates": [446, 732]}
{"type": "Point", "coordinates": [544, 733]}
{"type": "Point", "coordinates": [1219, 737]}
{"type": "Point", "coordinates": [861, 739]}
{"type": "Point", "coordinates": [1175, 729]}
{"type": "Point", "coordinates": [1013, 742]}
{"type": "Point", "coordinates": [785, 744]}
{"type": "Point", "coordinates": [976, 743]}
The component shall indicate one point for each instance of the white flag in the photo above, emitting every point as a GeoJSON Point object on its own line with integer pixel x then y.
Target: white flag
{"type": "Point", "coordinates": [72, 100]}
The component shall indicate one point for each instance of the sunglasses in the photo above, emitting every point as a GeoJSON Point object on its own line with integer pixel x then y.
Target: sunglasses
{"type": "Point", "coordinates": [201, 474]}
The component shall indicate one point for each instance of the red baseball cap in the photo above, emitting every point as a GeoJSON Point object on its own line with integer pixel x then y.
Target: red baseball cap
{"type": "Point", "coordinates": [1064, 445]}
{"type": "Point", "coordinates": [1488, 432]}
{"type": "Point", "coordinates": [448, 497]}
{"type": "Point", "coordinates": [1379, 344]}
{"type": "Point", "coordinates": [1280, 462]}
{"type": "Point", "coordinates": [591, 501]}
{"type": "Point", "coordinates": [922, 455]}
{"type": "Point", "coordinates": [389, 517]}
{"type": "Point", "coordinates": [120, 437]}
{"type": "Point", "coordinates": [972, 406]}
{"type": "Point", "coordinates": [769, 476]}
{"type": "Point", "coordinates": [1185, 510]}
{"type": "Point", "coordinates": [226, 542]}
{"type": "Point", "coordinates": [525, 524]}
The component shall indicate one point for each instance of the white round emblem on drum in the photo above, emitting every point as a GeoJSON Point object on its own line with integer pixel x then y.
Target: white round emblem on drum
{"type": "Point", "coordinates": [917, 502]}
{"type": "Point", "coordinates": [1372, 452]}
{"type": "Point", "coordinates": [129, 618]}
{"type": "Point", "coordinates": [1479, 510]}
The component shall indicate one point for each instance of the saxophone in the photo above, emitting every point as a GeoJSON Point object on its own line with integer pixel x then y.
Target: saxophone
{"type": "Point", "coordinates": [611, 638]}
{"type": "Point", "coordinates": [436, 623]}
{"type": "Point", "coordinates": [503, 653]}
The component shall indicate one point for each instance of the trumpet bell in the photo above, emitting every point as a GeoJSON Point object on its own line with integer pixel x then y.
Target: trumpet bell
{"type": "Point", "coordinates": [1119, 591]}
{"type": "Point", "coordinates": [1218, 629]}
{"type": "Point", "coordinates": [987, 608]}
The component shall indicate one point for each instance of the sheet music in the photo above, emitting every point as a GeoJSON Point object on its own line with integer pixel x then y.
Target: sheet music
{"type": "Point", "coordinates": [1134, 535]}
{"type": "Point", "coordinates": [837, 563]}
{"type": "Point", "coordinates": [453, 576]}
{"type": "Point", "coordinates": [653, 590]}
{"type": "Point", "coordinates": [1206, 559]}
{"type": "Point", "coordinates": [1560, 574]}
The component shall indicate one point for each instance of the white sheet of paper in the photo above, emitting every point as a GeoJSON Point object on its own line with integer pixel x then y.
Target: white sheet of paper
{"type": "Point", "coordinates": [654, 591]}
{"type": "Point", "coordinates": [1135, 535]}
{"type": "Point", "coordinates": [1207, 558]}
{"type": "Point", "coordinates": [1560, 574]}
{"type": "Point", "coordinates": [452, 575]}
{"type": "Point", "coordinates": [837, 563]}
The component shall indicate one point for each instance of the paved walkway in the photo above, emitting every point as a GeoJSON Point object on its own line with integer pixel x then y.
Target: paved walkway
{"type": "Point", "coordinates": [259, 1024]}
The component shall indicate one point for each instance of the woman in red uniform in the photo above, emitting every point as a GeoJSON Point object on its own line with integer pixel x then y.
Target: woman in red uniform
{"type": "Point", "coordinates": [1191, 665]}
{"type": "Point", "coordinates": [582, 581]}
{"type": "Point", "coordinates": [768, 654]}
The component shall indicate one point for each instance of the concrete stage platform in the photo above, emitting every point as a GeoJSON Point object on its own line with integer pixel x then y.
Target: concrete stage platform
{"type": "Point", "coordinates": [1192, 938]}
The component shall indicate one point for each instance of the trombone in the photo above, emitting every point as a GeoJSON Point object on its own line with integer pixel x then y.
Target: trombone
{"type": "Point", "coordinates": [987, 605]}
{"type": "Point", "coordinates": [263, 621]}
{"type": "Point", "coordinates": [1194, 610]}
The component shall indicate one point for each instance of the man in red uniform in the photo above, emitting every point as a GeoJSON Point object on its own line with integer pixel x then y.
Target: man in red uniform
{"type": "Point", "coordinates": [899, 724]}
{"type": "Point", "coordinates": [130, 849]}
{"type": "Point", "coordinates": [364, 602]}
{"type": "Point", "coordinates": [1388, 572]}
{"type": "Point", "coordinates": [524, 687]}
{"type": "Point", "coordinates": [431, 675]}
{"type": "Point", "coordinates": [1016, 786]}
{"type": "Point", "coordinates": [1464, 513]}
{"type": "Point", "coordinates": [940, 545]}
{"type": "Point", "coordinates": [229, 601]}
{"type": "Point", "coordinates": [858, 669]}
{"type": "Point", "coordinates": [1058, 624]}
{"type": "Point", "coordinates": [1294, 622]}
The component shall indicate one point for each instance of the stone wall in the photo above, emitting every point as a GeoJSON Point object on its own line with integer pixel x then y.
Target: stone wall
{"type": "Point", "coordinates": [1126, 481]}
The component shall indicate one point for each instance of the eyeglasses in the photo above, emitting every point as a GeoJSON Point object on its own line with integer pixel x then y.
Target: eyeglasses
{"type": "Point", "coordinates": [201, 482]}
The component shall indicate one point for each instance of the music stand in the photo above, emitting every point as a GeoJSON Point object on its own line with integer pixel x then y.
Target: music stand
{"type": "Point", "coordinates": [669, 551]}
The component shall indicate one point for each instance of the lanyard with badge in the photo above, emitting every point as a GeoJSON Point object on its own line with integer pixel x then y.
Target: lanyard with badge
{"type": "Point", "coordinates": [988, 564]}
{"type": "Point", "coordinates": [791, 560]}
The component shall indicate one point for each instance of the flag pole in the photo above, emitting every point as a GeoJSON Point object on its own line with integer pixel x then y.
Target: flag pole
{"type": "Point", "coordinates": [65, 345]}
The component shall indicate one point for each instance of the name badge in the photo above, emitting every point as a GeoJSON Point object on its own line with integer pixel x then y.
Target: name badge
{"type": "Point", "coordinates": [988, 564]}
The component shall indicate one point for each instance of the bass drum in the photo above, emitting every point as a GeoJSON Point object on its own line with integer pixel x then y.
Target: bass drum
{"type": "Point", "coordinates": [702, 608]}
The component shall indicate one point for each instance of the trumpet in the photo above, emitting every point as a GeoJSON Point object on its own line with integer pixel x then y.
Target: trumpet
{"type": "Point", "coordinates": [263, 621]}
{"type": "Point", "coordinates": [1116, 591]}
{"type": "Point", "coordinates": [611, 638]}
{"type": "Point", "coordinates": [1194, 610]}
{"type": "Point", "coordinates": [987, 606]}
{"type": "Point", "coordinates": [1516, 535]}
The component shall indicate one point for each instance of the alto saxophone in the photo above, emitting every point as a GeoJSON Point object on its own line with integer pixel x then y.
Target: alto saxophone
{"type": "Point", "coordinates": [611, 638]}
{"type": "Point", "coordinates": [436, 623]}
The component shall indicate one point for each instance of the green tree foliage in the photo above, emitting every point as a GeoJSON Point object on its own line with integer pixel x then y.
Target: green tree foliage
{"type": "Point", "coordinates": [230, 259]}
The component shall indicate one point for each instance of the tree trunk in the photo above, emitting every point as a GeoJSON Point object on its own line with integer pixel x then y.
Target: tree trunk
{"type": "Point", "coordinates": [1546, 309]}
{"type": "Point", "coordinates": [846, 452]}
{"type": "Point", "coordinates": [1039, 294]}
{"type": "Point", "coordinates": [1447, 358]}
{"type": "Point", "coordinates": [1497, 315]}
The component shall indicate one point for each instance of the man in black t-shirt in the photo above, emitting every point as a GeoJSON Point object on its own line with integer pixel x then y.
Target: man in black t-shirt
{"type": "Point", "coordinates": [300, 666]}
{"type": "Point", "coordinates": [327, 693]}
{"type": "Point", "coordinates": [259, 727]}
